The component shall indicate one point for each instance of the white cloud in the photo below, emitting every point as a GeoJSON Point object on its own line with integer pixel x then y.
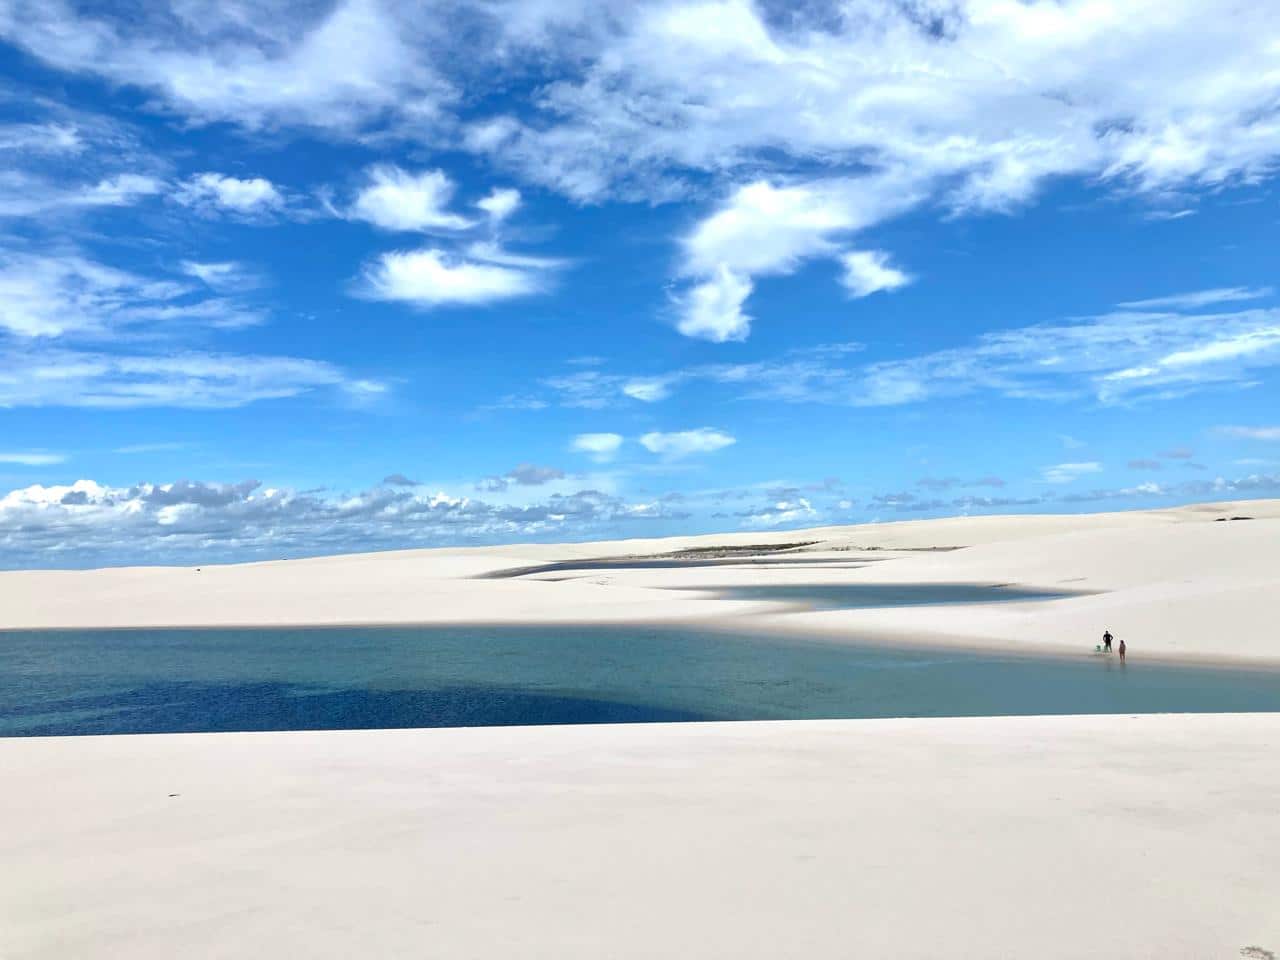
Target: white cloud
{"type": "Point", "coordinates": [395, 199]}
{"type": "Point", "coordinates": [195, 380]}
{"type": "Point", "coordinates": [57, 296]}
{"type": "Point", "coordinates": [785, 511]}
{"type": "Point", "coordinates": [341, 67]}
{"type": "Point", "coordinates": [685, 443]}
{"type": "Point", "coordinates": [1114, 358]}
{"type": "Point", "coordinates": [433, 277]}
{"type": "Point", "coordinates": [87, 522]}
{"type": "Point", "coordinates": [42, 138]}
{"type": "Point", "coordinates": [33, 459]}
{"type": "Point", "coordinates": [869, 271]}
{"type": "Point", "coordinates": [648, 389]}
{"type": "Point", "coordinates": [1199, 298]}
{"type": "Point", "coordinates": [983, 101]}
{"type": "Point", "coordinates": [1252, 433]}
{"type": "Point", "coordinates": [24, 194]}
{"type": "Point", "coordinates": [500, 203]}
{"type": "Point", "coordinates": [226, 275]}
{"type": "Point", "coordinates": [247, 197]}
{"type": "Point", "coordinates": [601, 447]}
{"type": "Point", "coordinates": [763, 229]}
{"type": "Point", "coordinates": [1067, 472]}
{"type": "Point", "coordinates": [712, 310]}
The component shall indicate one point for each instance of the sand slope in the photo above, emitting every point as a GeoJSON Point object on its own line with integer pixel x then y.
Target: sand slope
{"type": "Point", "coordinates": [1039, 837]}
{"type": "Point", "coordinates": [1172, 582]}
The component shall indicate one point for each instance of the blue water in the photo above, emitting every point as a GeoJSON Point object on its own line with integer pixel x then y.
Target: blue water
{"type": "Point", "coordinates": [150, 681]}
{"type": "Point", "coordinates": [857, 596]}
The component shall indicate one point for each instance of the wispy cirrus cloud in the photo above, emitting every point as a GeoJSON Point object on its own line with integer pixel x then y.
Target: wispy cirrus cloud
{"type": "Point", "coordinates": [1067, 472]}
{"type": "Point", "coordinates": [32, 458]}
{"type": "Point", "coordinates": [26, 194]}
{"type": "Point", "coordinates": [69, 295]}
{"type": "Point", "coordinates": [55, 377]}
{"type": "Point", "coordinates": [1199, 298]}
{"type": "Point", "coordinates": [1120, 357]}
{"type": "Point", "coordinates": [224, 275]}
{"type": "Point", "coordinates": [1252, 433]}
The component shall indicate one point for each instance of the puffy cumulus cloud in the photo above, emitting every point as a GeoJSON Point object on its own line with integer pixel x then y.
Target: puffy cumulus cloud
{"type": "Point", "coordinates": [500, 203]}
{"type": "Point", "coordinates": [779, 513]}
{"type": "Point", "coordinates": [684, 443]}
{"type": "Point", "coordinates": [395, 199]}
{"type": "Point", "coordinates": [253, 196]}
{"type": "Point", "coordinates": [89, 523]}
{"type": "Point", "coordinates": [523, 475]}
{"type": "Point", "coordinates": [869, 271]}
{"type": "Point", "coordinates": [1067, 472]}
{"type": "Point", "coordinates": [764, 229]}
{"type": "Point", "coordinates": [601, 447]}
{"type": "Point", "coordinates": [712, 310]}
{"type": "Point", "coordinates": [434, 277]}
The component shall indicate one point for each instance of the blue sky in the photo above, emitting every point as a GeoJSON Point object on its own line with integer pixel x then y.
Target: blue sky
{"type": "Point", "coordinates": [280, 280]}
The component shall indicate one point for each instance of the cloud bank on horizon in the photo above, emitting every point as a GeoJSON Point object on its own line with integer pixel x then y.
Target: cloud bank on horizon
{"type": "Point", "coordinates": [644, 267]}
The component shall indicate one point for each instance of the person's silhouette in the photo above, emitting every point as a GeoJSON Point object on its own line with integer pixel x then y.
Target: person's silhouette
{"type": "Point", "coordinates": [1106, 641]}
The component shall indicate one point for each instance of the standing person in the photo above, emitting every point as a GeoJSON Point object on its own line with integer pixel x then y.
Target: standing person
{"type": "Point", "coordinates": [1122, 651]}
{"type": "Point", "coordinates": [1106, 641]}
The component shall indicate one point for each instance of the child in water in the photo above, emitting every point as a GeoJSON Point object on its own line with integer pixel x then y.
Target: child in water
{"type": "Point", "coordinates": [1122, 651]}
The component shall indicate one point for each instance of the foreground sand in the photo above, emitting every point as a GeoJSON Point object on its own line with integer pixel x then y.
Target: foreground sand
{"type": "Point", "coordinates": [1174, 583]}
{"type": "Point", "coordinates": [1040, 837]}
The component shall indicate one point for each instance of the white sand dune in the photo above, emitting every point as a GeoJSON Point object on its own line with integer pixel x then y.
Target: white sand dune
{"type": "Point", "coordinates": [1173, 583]}
{"type": "Point", "coordinates": [1046, 837]}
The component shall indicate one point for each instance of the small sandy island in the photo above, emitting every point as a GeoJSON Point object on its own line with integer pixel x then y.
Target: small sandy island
{"type": "Point", "coordinates": [1047, 837]}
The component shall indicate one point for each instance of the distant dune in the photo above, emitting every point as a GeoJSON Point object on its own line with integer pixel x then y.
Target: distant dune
{"type": "Point", "coordinates": [1182, 582]}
